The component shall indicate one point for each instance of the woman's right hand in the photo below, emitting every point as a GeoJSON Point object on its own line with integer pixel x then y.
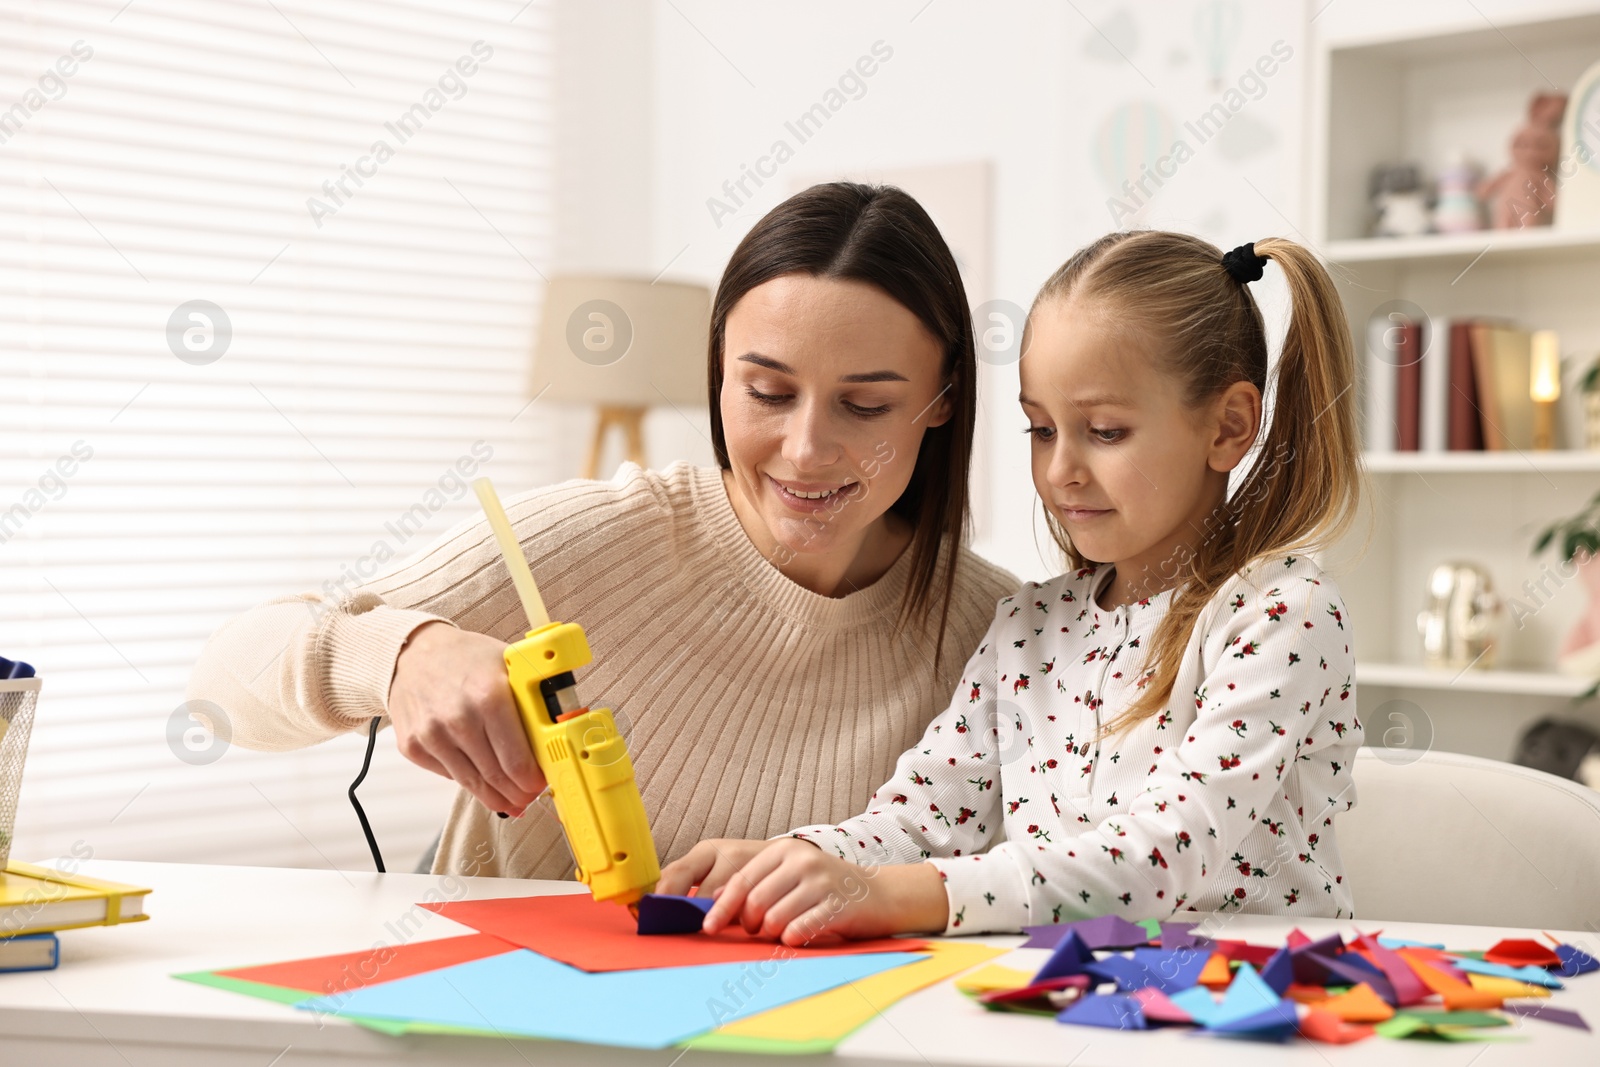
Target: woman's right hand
{"type": "Point", "coordinates": [451, 706]}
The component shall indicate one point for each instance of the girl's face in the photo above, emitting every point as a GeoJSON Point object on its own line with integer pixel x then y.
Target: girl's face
{"type": "Point", "coordinates": [1130, 472]}
{"type": "Point", "coordinates": [827, 388]}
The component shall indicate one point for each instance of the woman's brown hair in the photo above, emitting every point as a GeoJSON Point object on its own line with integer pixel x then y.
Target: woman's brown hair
{"type": "Point", "coordinates": [1206, 331]}
{"type": "Point", "coordinates": [879, 235]}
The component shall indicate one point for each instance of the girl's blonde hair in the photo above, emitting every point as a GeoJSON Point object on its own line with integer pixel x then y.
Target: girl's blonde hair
{"type": "Point", "coordinates": [1304, 488]}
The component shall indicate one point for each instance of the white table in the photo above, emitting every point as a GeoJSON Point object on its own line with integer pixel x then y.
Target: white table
{"type": "Point", "coordinates": [112, 1001]}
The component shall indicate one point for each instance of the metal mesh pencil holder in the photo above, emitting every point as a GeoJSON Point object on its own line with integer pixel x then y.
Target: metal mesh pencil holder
{"type": "Point", "coordinates": [18, 699]}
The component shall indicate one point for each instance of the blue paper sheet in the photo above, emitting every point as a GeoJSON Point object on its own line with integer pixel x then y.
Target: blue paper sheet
{"type": "Point", "coordinates": [1247, 997]}
{"type": "Point", "coordinates": [525, 994]}
{"type": "Point", "coordinates": [1527, 973]}
{"type": "Point", "coordinates": [1575, 960]}
{"type": "Point", "coordinates": [1198, 1002]}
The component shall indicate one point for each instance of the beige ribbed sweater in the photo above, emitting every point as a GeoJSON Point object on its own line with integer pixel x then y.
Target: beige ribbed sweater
{"type": "Point", "coordinates": [751, 705]}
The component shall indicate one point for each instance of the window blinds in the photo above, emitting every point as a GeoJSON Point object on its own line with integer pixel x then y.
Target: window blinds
{"type": "Point", "coordinates": [268, 270]}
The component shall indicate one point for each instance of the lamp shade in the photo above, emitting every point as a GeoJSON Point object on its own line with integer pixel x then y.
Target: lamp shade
{"type": "Point", "coordinates": [622, 342]}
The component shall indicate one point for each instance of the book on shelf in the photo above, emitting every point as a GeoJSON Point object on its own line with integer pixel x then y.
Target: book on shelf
{"type": "Point", "coordinates": [1402, 346]}
{"type": "Point", "coordinates": [36, 899]}
{"type": "Point", "coordinates": [29, 952]}
{"type": "Point", "coordinates": [1448, 385]}
{"type": "Point", "coordinates": [1380, 382]}
{"type": "Point", "coordinates": [1465, 424]}
{"type": "Point", "coordinates": [1503, 358]}
{"type": "Point", "coordinates": [1433, 352]}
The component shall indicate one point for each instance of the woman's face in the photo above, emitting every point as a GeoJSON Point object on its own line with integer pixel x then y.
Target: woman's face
{"type": "Point", "coordinates": [827, 388]}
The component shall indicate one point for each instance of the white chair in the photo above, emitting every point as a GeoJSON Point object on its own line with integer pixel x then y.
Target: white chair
{"type": "Point", "coordinates": [1450, 838]}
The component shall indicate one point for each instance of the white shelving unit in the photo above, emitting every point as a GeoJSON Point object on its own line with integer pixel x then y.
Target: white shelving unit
{"type": "Point", "coordinates": [1532, 463]}
{"type": "Point", "coordinates": [1525, 683]}
{"type": "Point", "coordinates": [1420, 98]}
{"type": "Point", "coordinates": [1541, 244]}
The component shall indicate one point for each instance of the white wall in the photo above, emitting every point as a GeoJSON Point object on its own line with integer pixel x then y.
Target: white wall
{"type": "Point", "coordinates": [1028, 86]}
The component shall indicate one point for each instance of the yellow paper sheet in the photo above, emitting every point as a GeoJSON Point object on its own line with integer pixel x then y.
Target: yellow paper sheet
{"type": "Point", "coordinates": [832, 1015]}
{"type": "Point", "coordinates": [1509, 988]}
{"type": "Point", "coordinates": [993, 978]}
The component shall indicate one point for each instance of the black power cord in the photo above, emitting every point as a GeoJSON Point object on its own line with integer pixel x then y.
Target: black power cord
{"type": "Point", "coordinates": [366, 827]}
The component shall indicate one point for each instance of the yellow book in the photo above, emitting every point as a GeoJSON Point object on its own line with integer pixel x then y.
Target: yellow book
{"type": "Point", "coordinates": [35, 900]}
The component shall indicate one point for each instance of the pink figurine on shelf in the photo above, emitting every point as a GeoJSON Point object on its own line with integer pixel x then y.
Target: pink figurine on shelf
{"type": "Point", "coordinates": [1580, 649]}
{"type": "Point", "coordinates": [1524, 194]}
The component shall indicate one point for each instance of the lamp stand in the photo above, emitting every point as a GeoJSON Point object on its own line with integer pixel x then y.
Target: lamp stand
{"type": "Point", "coordinates": [1544, 424]}
{"type": "Point", "coordinates": [631, 422]}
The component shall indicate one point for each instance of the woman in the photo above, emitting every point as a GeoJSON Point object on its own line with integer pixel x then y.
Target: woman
{"type": "Point", "coordinates": [775, 629]}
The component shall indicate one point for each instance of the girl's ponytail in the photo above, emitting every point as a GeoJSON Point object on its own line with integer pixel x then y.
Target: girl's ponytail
{"type": "Point", "coordinates": [1305, 485]}
{"type": "Point", "coordinates": [1303, 488]}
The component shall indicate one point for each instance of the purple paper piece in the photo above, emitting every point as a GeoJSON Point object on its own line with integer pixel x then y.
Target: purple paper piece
{"type": "Point", "coordinates": [1114, 1011]}
{"type": "Point", "coordinates": [1408, 988]}
{"type": "Point", "coordinates": [1045, 936]}
{"type": "Point", "coordinates": [1105, 932]}
{"type": "Point", "coordinates": [1170, 972]}
{"type": "Point", "coordinates": [1278, 972]}
{"type": "Point", "coordinates": [1347, 971]}
{"type": "Point", "coordinates": [1181, 935]}
{"type": "Point", "coordinates": [1540, 1010]}
{"type": "Point", "coordinates": [1127, 973]}
{"type": "Point", "coordinates": [1068, 958]}
{"type": "Point", "coordinates": [662, 914]}
{"type": "Point", "coordinates": [1305, 970]}
{"type": "Point", "coordinates": [1174, 971]}
{"type": "Point", "coordinates": [1575, 961]}
{"type": "Point", "coordinates": [1111, 932]}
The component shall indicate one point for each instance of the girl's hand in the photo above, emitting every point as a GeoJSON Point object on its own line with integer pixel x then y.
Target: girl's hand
{"type": "Point", "coordinates": [792, 891]}
{"type": "Point", "coordinates": [451, 706]}
{"type": "Point", "coordinates": [708, 865]}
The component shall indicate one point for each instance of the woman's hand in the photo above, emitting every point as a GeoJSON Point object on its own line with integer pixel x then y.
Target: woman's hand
{"type": "Point", "coordinates": [794, 892]}
{"type": "Point", "coordinates": [708, 865]}
{"type": "Point", "coordinates": [451, 705]}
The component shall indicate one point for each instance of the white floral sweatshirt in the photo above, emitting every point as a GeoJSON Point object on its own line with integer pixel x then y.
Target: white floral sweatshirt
{"type": "Point", "coordinates": [1222, 802]}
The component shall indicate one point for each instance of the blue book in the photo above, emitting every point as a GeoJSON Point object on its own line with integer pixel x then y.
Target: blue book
{"type": "Point", "coordinates": [29, 952]}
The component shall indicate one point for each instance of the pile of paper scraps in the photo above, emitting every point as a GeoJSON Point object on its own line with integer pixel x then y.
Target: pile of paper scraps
{"type": "Point", "coordinates": [1108, 972]}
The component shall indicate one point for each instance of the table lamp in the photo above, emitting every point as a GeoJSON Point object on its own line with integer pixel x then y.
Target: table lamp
{"type": "Point", "coordinates": [1544, 387]}
{"type": "Point", "coordinates": [622, 344]}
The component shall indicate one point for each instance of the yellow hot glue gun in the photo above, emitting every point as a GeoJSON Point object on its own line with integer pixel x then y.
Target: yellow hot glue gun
{"type": "Point", "coordinates": [583, 757]}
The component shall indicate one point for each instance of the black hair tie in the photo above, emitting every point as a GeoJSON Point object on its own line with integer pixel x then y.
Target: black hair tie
{"type": "Point", "coordinates": [1244, 264]}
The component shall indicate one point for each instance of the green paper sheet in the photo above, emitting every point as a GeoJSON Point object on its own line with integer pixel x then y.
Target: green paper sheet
{"type": "Point", "coordinates": [1412, 1026]}
{"type": "Point", "coordinates": [284, 995]}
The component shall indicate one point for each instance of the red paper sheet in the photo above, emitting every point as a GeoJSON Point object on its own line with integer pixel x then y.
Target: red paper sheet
{"type": "Point", "coordinates": [597, 936]}
{"type": "Point", "coordinates": [1255, 955]}
{"type": "Point", "coordinates": [1521, 952]}
{"type": "Point", "coordinates": [328, 975]}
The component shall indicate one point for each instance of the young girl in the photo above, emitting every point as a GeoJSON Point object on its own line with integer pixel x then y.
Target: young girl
{"type": "Point", "coordinates": [1171, 725]}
